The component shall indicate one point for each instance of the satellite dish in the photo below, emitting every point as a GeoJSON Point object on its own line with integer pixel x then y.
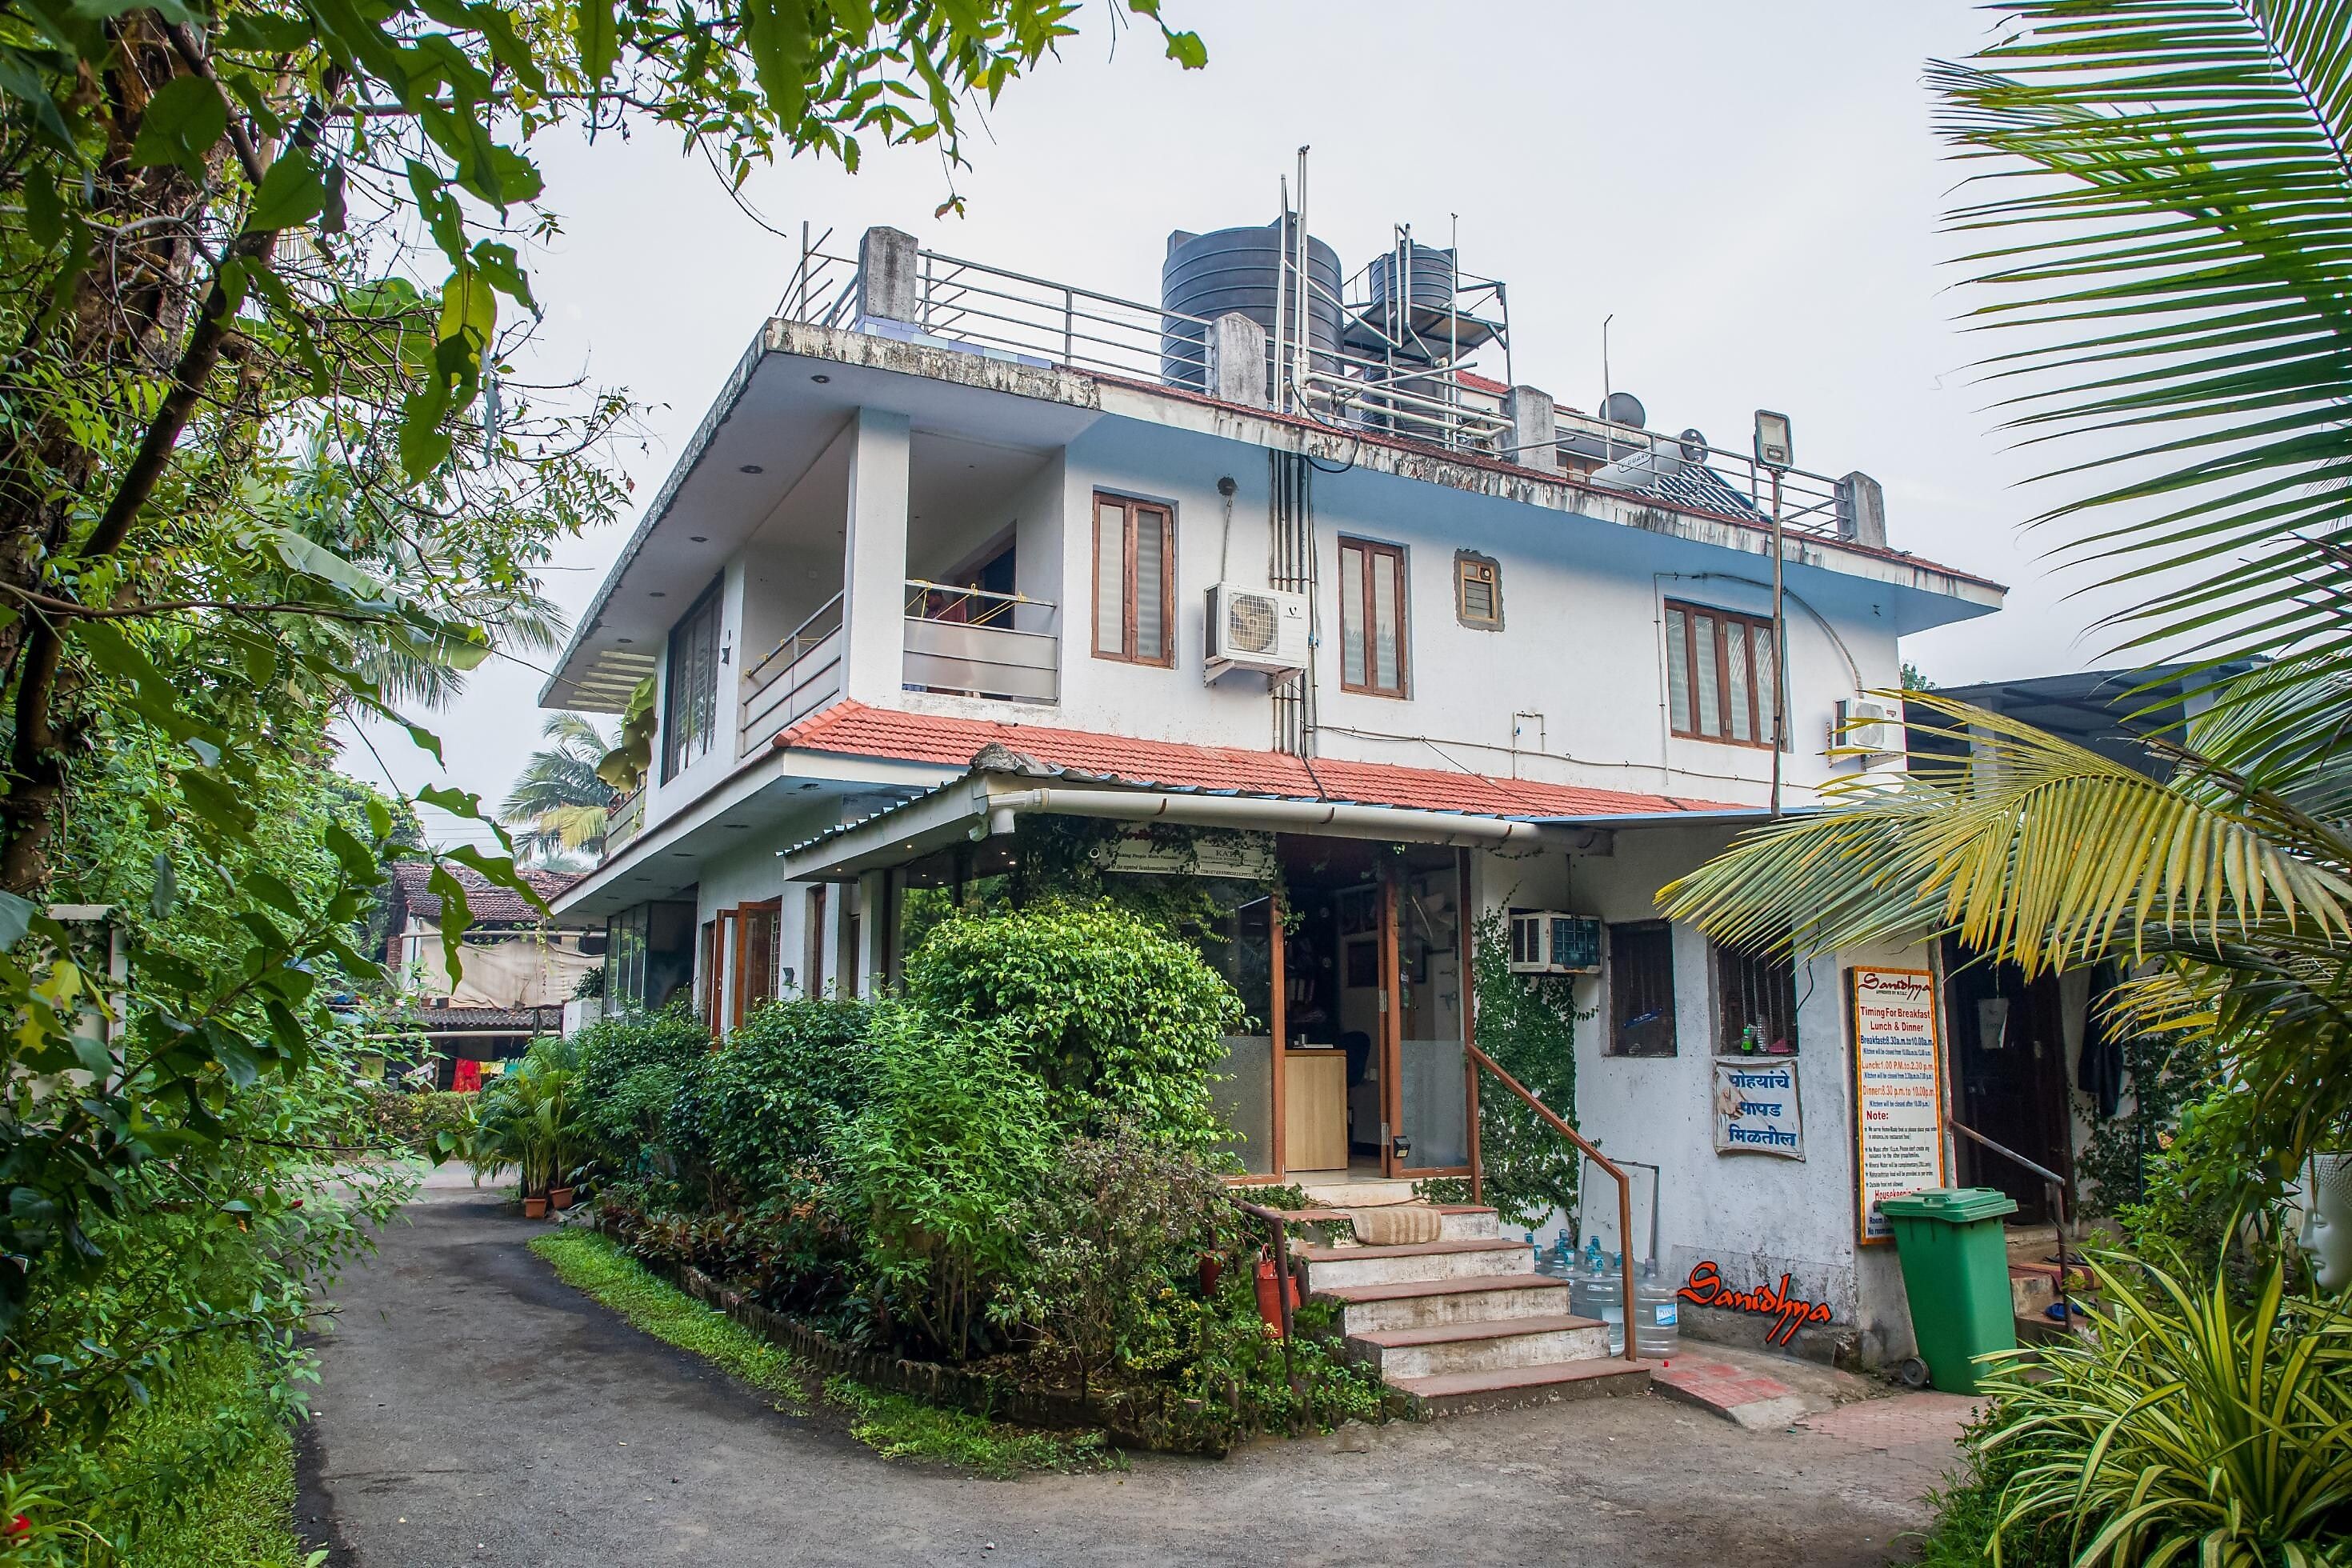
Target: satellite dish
{"type": "Point", "coordinates": [1693, 444]}
{"type": "Point", "coordinates": [1625, 408]}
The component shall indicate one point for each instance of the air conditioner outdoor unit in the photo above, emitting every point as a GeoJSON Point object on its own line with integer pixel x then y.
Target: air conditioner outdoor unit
{"type": "Point", "coordinates": [1548, 941]}
{"type": "Point", "coordinates": [1868, 730]}
{"type": "Point", "coordinates": [1257, 628]}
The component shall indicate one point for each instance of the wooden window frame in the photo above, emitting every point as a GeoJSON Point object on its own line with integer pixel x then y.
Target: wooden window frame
{"type": "Point", "coordinates": [1372, 548]}
{"type": "Point", "coordinates": [1683, 725]}
{"type": "Point", "coordinates": [1463, 560]}
{"type": "Point", "coordinates": [1133, 509]}
{"type": "Point", "coordinates": [1732, 971]}
{"type": "Point", "coordinates": [1615, 1046]}
{"type": "Point", "coordinates": [689, 717]}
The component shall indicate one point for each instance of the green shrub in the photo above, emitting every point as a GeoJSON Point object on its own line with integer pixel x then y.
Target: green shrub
{"type": "Point", "coordinates": [764, 1106]}
{"type": "Point", "coordinates": [2191, 1429]}
{"type": "Point", "coordinates": [936, 1169]}
{"type": "Point", "coordinates": [1120, 1021]}
{"type": "Point", "coordinates": [632, 1067]}
{"type": "Point", "coordinates": [435, 1124]}
{"type": "Point", "coordinates": [1116, 1231]}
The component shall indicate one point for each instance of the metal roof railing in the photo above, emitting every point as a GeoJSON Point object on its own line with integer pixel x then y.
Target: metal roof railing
{"type": "Point", "coordinates": [997, 310]}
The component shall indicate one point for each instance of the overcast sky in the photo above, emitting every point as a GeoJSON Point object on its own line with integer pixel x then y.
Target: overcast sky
{"type": "Point", "coordinates": [1752, 190]}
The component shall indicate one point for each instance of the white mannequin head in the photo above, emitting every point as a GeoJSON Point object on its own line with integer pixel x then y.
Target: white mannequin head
{"type": "Point", "coordinates": [2327, 1221]}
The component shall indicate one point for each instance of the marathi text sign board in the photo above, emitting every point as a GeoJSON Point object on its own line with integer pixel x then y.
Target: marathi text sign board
{"type": "Point", "coordinates": [1756, 1110]}
{"type": "Point", "coordinates": [1898, 1090]}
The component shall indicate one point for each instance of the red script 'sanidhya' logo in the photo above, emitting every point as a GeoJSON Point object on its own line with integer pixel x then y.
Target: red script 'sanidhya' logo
{"type": "Point", "coordinates": [1706, 1288]}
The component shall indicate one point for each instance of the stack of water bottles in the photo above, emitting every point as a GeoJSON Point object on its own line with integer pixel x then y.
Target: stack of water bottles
{"type": "Point", "coordinates": [1597, 1289]}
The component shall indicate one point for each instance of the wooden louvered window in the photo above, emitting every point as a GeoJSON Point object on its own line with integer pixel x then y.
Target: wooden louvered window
{"type": "Point", "coordinates": [1719, 674]}
{"type": "Point", "coordinates": [1477, 591]}
{"type": "Point", "coordinates": [1371, 618]}
{"type": "Point", "coordinates": [1134, 581]}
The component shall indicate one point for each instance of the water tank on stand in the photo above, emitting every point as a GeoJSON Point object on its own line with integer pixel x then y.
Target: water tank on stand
{"type": "Point", "coordinates": [1412, 289]}
{"type": "Point", "coordinates": [1206, 275]}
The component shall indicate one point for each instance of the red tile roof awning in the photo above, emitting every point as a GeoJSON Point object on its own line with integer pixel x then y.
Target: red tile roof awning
{"type": "Point", "coordinates": [853, 729]}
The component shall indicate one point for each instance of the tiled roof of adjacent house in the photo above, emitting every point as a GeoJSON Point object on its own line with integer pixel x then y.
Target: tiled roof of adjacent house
{"type": "Point", "coordinates": [479, 1020]}
{"type": "Point", "coordinates": [853, 729]}
{"type": "Point", "coordinates": [484, 901]}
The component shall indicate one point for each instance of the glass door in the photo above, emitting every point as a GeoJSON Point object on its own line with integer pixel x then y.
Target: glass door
{"type": "Point", "coordinates": [1424, 988]}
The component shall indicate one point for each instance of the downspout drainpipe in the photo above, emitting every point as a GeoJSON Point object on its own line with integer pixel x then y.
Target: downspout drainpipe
{"type": "Point", "coordinates": [1329, 818]}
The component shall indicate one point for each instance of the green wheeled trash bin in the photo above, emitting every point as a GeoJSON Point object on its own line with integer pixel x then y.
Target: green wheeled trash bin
{"type": "Point", "coordinates": [1956, 1271]}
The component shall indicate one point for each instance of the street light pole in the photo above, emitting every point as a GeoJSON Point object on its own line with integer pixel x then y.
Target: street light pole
{"type": "Point", "coordinates": [1780, 651]}
{"type": "Point", "coordinates": [1775, 451]}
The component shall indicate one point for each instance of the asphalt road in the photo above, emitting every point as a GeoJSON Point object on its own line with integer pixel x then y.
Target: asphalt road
{"type": "Point", "coordinates": [475, 1410]}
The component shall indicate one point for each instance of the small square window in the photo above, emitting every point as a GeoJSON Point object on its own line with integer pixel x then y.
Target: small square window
{"type": "Point", "coordinates": [1477, 591]}
{"type": "Point", "coordinates": [1755, 1003]}
{"type": "Point", "coordinates": [1642, 989]}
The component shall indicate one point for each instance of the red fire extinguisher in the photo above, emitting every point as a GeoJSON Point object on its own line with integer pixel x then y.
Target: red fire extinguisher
{"type": "Point", "coordinates": [1270, 1291]}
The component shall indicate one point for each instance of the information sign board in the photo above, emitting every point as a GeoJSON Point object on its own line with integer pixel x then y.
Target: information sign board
{"type": "Point", "coordinates": [1898, 1090]}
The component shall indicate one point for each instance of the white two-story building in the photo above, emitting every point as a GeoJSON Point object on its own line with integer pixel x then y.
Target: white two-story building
{"type": "Point", "coordinates": [956, 550]}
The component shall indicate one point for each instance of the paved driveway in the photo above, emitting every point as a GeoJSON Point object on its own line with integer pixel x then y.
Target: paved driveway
{"type": "Point", "coordinates": [477, 1411]}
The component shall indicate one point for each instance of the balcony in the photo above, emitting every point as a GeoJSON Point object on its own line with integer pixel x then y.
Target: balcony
{"type": "Point", "coordinates": [971, 642]}
{"type": "Point", "coordinates": [625, 819]}
{"type": "Point", "coordinates": [800, 676]}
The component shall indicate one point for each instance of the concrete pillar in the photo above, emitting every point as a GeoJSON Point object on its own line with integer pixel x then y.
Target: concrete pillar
{"type": "Point", "coordinates": [889, 275]}
{"type": "Point", "coordinates": [1535, 429]}
{"type": "Point", "coordinates": [874, 559]}
{"type": "Point", "coordinates": [873, 935]}
{"type": "Point", "coordinates": [1236, 360]}
{"type": "Point", "coordinates": [1861, 510]}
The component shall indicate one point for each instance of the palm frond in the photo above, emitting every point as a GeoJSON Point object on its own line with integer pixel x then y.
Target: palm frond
{"type": "Point", "coordinates": [2169, 225]}
{"type": "Point", "coordinates": [2032, 849]}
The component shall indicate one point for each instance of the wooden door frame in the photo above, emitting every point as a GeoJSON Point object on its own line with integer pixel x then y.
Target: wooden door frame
{"type": "Point", "coordinates": [1391, 1040]}
{"type": "Point", "coordinates": [1278, 938]}
{"type": "Point", "coordinates": [737, 1000]}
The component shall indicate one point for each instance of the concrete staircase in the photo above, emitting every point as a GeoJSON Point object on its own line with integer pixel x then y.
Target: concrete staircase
{"type": "Point", "coordinates": [1463, 1322]}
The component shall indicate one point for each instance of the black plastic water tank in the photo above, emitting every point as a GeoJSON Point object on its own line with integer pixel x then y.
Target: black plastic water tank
{"type": "Point", "coordinates": [1207, 275]}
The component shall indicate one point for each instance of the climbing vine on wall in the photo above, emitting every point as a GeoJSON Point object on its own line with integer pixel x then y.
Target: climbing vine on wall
{"type": "Point", "coordinates": [1527, 1024]}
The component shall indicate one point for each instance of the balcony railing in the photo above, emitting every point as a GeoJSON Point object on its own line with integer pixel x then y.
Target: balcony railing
{"type": "Point", "coordinates": [1010, 314]}
{"type": "Point", "coordinates": [801, 674]}
{"type": "Point", "coordinates": [973, 642]}
{"type": "Point", "coordinates": [625, 819]}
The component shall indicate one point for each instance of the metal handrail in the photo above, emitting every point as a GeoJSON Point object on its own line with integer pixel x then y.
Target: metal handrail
{"type": "Point", "coordinates": [1624, 1183]}
{"type": "Point", "coordinates": [1004, 606]}
{"type": "Point", "coordinates": [791, 642]}
{"type": "Point", "coordinates": [2051, 1180]}
{"type": "Point", "coordinates": [1276, 1223]}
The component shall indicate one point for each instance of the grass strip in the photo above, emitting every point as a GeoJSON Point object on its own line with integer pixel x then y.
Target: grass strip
{"type": "Point", "coordinates": [900, 1426]}
{"type": "Point", "coordinates": [895, 1425]}
{"type": "Point", "coordinates": [191, 1513]}
{"type": "Point", "coordinates": [600, 1269]}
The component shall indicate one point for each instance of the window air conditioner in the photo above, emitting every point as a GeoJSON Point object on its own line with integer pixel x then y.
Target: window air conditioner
{"type": "Point", "coordinates": [1547, 941]}
{"type": "Point", "coordinates": [1872, 731]}
{"type": "Point", "coordinates": [1257, 628]}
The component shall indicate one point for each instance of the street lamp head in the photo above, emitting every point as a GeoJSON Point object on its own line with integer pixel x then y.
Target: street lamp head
{"type": "Point", "coordinates": [1774, 449]}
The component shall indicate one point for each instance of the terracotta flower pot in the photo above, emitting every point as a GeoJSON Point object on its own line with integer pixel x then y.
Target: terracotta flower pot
{"type": "Point", "coordinates": [534, 1208]}
{"type": "Point", "coordinates": [1213, 1268]}
{"type": "Point", "coordinates": [559, 1198]}
{"type": "Point", "coordinates": [1269, 1294]}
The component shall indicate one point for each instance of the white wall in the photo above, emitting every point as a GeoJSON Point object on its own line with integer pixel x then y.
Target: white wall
{"type": "Point", "coordinates": [1756, 1217]}
{"type": "Point", "coordinates": [1582, 646]}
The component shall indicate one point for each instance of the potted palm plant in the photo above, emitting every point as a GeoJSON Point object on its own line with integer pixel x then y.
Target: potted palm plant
{"type": "Point", "coordinates": [527, 1126]}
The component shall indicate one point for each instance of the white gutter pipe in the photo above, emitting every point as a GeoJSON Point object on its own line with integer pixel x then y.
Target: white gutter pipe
{"type": "Point", "coordinates": [1333, 819]}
